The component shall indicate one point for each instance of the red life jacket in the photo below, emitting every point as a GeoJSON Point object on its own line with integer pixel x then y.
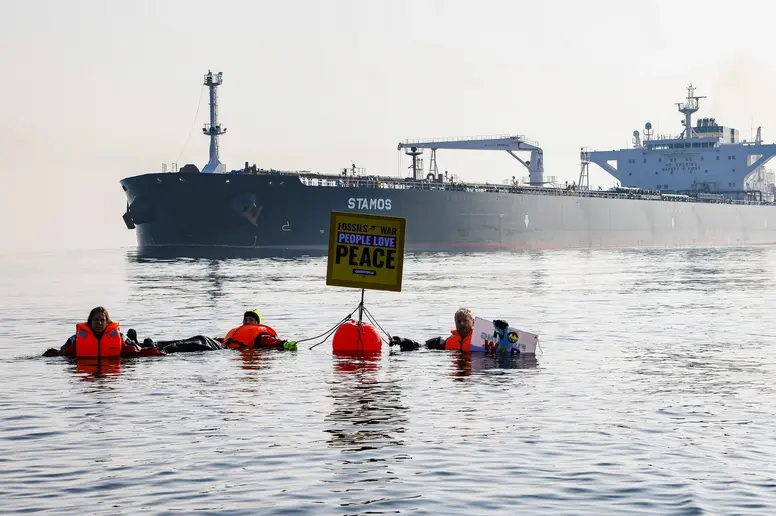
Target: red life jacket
{"type": "Point", "coordinates": [87, 345]}
{"type": "Point", "coordinates": [453, 342]}
{"type": "Point", "coordinates": [245, 336]}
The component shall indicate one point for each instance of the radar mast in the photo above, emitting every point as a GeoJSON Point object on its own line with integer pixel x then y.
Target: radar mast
{"type": "Point", "coordinates": [689, 107]}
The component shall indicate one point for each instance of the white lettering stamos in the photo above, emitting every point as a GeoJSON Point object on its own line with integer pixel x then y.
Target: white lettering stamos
{"type": "Point", "coordinates": [367, 203]}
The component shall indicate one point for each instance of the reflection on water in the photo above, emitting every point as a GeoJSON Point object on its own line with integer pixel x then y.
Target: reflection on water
{"type": "Point", "coordinates": [367, 424]}
{"type": "Point", "coordinates": [367, 413]}
{"type": "Point", "coordinates": [698, 269]}
{"type": "Point", "coordinates": [253, 359]}
{"type": "Point", "coordinates": [465, 365]}
{"type": "Point", "coordinates": [173, 253]}
{"type": "Point", "coordinates": [91, 370]}
{"type": "Point", "coordinates": [176, 253]}
{"type": "Point", "coordinates": [538, 274]}
{"type": "Point", "coordinates": [215, 281]}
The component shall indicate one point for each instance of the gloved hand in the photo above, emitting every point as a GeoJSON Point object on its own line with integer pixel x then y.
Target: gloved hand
{"type": "Point", "coordinates": [404, 344]}
{"type": "Point", "coordinates": [51, 352]}
{"type": "Point", "coordinates": [132, 335]}
{"type": "Point", "coordinates": [290, 345]}
{"type": "Point", "coordinates": [435, 343]}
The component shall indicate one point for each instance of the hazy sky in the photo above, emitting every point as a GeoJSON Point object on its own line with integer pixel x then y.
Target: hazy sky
{"type": "Point", "coordinates": [94, 91]}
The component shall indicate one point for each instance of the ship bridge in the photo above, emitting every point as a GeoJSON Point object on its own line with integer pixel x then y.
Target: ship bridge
{"type": "Point", "coordinates": [708, 157]}
{"type": "Point", "coordinates": [509, 143]}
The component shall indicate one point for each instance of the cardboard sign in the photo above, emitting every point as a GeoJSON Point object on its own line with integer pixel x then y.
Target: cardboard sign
{"type": "Point", "coordinates": [484, 339]}
{"type": "Point", "coordinates": [365, 251]}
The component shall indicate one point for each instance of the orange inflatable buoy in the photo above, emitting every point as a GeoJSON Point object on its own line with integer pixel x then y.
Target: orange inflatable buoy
{"type": "Point", "coordinates": [353, 338]}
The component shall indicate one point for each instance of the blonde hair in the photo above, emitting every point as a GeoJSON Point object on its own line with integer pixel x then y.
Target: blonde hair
{"type": "Point", "coordinates": [464, 313]}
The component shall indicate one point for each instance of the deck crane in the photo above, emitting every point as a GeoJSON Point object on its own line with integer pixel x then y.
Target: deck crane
{"type": "Point", "coordinates": [508, 143]}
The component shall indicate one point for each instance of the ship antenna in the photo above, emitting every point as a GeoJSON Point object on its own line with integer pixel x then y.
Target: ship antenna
{"type": "Point", "coordinates": [213, 129]}
{"type": "Point", "coordinates": [688, 108]}
{"type": "Point", "coordinates": [417, 162]}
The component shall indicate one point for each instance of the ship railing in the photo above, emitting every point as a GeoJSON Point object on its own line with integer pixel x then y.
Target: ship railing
{"type": "Point", "coordinates": [410, 184]}
{"type": "Point", "coordinates": [424, 141]}
{"type": "Point", "coordinates": [659, 138]}
{"type": "Point", "coordinates": [666, 136]}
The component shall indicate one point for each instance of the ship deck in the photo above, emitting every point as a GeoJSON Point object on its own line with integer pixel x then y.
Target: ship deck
{"type": "Point", "coordinates": [312, 179]}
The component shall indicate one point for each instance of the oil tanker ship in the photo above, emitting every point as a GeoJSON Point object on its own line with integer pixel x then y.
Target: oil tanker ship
{"type": "Point", "coordinates": [702, 187]}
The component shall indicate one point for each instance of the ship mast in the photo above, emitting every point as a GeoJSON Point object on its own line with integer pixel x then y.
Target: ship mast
{"type": "Point", "coordinates": [688, 108]}
{"type": "Point", "coordinates": [213, 129]}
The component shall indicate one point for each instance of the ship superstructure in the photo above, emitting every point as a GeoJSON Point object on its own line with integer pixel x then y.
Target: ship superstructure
{"type": "Point", "coordinates": [708, 158]}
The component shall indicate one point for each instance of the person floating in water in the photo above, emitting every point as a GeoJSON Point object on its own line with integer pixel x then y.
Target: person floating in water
{"type": "Point", "coordinates": [460, 338]}
{"type": "Point", "coordinates": [99, 337]}
{"type": "Point", "coordinates": [255, 334]}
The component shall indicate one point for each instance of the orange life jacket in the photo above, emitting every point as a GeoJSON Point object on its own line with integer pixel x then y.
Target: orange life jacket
{"type": "Point", "coordinates": [87, 345]}
{"type": "Point", "coordinates": [244, 336]}
{"type": "Point", "coordinates": [453, 342]}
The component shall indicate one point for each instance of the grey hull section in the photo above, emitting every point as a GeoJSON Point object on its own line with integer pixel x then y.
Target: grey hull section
{"type": "Point", "coordinates": [279, 212]}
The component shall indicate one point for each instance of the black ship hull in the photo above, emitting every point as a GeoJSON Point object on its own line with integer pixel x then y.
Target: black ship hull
{"type": "Point", "coordinates": [280, 212]}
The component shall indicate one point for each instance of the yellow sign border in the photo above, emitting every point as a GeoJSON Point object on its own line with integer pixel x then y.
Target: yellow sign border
{"type": "Point", "coordinates": [395, 287]}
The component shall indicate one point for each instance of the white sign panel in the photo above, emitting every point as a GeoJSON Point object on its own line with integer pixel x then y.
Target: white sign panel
{"type": "Point", "coordinates": [484, 339]}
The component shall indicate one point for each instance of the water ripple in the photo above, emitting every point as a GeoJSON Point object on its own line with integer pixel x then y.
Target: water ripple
{"type": "Point", "coordinates": [652, 394]}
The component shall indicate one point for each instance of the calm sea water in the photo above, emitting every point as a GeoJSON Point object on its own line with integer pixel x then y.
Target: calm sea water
{"type": "Point", "coordinates": [654, 393]}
